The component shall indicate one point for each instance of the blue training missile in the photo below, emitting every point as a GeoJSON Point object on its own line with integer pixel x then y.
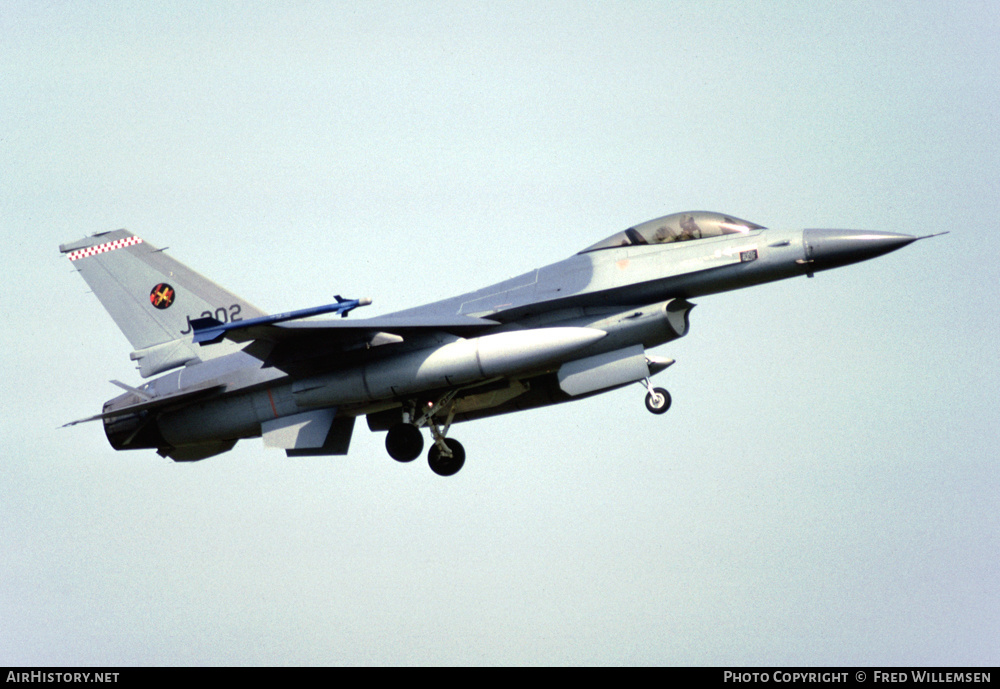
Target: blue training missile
{"type": "Point", "coordinates": [210, 330]}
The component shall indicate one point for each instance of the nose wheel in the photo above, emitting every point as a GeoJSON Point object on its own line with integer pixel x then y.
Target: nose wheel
{"type": "Point", "coordinates": [657, 399]}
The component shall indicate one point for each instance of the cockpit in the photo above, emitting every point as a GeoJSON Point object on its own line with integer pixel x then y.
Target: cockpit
{"type": "Point", "coordinates": [679, 227]}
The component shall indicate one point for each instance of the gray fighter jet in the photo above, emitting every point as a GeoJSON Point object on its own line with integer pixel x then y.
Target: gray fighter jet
{"type": "Point", "coordinates": [570, 330]}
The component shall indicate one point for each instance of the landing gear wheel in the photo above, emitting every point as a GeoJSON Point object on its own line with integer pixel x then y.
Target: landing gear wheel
{"type": "Point", "coordinates": [404, 442]}
{"type": "Point", "coordinates": [658, 401]}
{"type": "Point", "coordinates": [446, 466]}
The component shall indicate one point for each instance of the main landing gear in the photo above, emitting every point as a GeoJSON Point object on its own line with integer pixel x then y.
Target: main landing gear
{"type": "Point", "coordinates": [404, 442]}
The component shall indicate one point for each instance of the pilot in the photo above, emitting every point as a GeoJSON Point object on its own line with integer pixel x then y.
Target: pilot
{"type": "Point", "coordinates": [689, 229]}
{"type": "Point", "coordinates": [664, 235]}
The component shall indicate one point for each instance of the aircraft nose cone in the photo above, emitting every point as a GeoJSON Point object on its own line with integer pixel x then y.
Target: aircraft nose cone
{"type": "Point", "coordinates": [833, 248]}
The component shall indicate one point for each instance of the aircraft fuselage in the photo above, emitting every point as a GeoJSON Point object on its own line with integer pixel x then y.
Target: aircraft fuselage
{"type": "Point", "coordinates": [568, 330]}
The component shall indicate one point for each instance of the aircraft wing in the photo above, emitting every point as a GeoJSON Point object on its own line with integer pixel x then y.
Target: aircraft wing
{"type": "Point", "coordinates": [288, 344]}
{"type": "Point", "coordinates": [345, 330]}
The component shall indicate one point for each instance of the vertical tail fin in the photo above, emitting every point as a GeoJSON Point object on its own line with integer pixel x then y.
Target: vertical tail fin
{"type": "Point", "coordinates": [151, 297]}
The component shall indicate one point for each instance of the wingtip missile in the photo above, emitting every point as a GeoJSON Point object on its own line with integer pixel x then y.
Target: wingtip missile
{"type": "Point", "coordinates": [209, 330]}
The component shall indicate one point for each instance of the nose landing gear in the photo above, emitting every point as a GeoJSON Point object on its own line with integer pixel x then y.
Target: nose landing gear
{"type": "Point", "coordinates": [657, 399]}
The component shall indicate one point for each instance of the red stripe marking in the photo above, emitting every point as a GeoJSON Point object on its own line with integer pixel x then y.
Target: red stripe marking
{"type": "Point", "coordinates": [101, 248]}
{"type": "Point", "coordinates": [271, 398]}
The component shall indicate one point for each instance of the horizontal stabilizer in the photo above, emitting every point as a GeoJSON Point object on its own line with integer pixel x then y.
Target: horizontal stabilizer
{"type": "Point", "coordinates": [151, 402]}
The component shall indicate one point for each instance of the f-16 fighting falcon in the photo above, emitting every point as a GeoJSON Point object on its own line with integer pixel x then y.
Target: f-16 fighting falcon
{"type": "Point", "coordinates": [575, 328]}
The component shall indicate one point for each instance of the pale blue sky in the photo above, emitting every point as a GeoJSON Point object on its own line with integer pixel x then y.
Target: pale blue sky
{"type": "Point", "coordinates": [824, 490]}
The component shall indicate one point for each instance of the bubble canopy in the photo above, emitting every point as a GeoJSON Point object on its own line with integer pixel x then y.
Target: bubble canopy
{"type": "Point", "coordinates": [679, 227]}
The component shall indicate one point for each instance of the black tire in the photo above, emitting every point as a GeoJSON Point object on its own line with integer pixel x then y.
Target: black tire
{"type": "Point", "coordinates": [658, 406]}
{"type": "Point", "coordinates": [446, 466]}
{"type": "Point", "coordinates": [404, 442]}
